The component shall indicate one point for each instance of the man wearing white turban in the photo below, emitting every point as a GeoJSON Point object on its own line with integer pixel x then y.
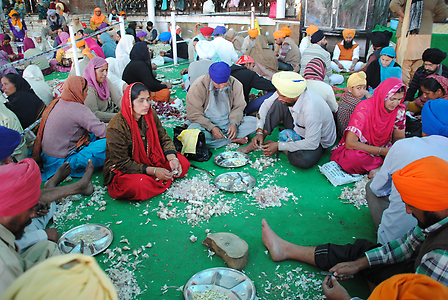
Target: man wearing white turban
{"type": "Point", "coordinates": [206, 51]}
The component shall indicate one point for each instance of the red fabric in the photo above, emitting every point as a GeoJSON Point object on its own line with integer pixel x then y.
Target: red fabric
{"type": "Point", "coordinates": [141, 186]}
{"type": "Point", "coordinates": [356, 161]}
{"type": "Point", "coordinates": [20, 187]}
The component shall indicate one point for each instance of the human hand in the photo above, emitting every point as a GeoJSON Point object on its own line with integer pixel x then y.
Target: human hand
{"type": "Point", "coordinates": [168, 84]}
{"type": "Point", "coordinates": [257, 141]}
{"type": "Point", "coordinates": [176, 168]}
{"type": "Point", "coordinates": [162, 53]}
{"type": "Point", "coordinates": [52, 234]}
{"type": "Point", "coordinates": [217, 133]}
{"type": "Point", "coordinates": [343, 270]}
{"type": "Point", "coordinates": [269, 148]}
{"type": "Point", "coordinates": [333, 290]}
{"type": "Point", "coordinates": [42, 209]}
{"type": "Point", "coordinates": [251, 97]}
{"type": "Point", "coordinates": [163, 174]}
{"type": "Point", "coordinates": [153, 66]}
{"type": "Point", "coordinates": [184, 71]}
{"type": "Point", "coordinates": [232, 131]}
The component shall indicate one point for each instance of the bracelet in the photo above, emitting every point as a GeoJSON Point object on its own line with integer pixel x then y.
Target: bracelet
{"type": "Point", "coordinates": [155, 168]}
{"type": "Point", "coordinates": [259, 132]}
{"type": "Point", "coordinates": [379, 152]}
{"type": "Point", "coordinates": [174, 159]}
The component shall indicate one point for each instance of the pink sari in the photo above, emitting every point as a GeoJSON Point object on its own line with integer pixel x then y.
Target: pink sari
{"type": "Point", "coordinates": [374, 126]}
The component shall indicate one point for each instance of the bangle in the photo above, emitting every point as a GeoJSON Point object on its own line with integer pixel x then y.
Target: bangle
{"type": "Point", "coordinates": [379, 152]}
{"type": "Point", "coordinates": [259, 132]}
{"type": "Point", "coordinates": [155, 168]}
{"type": "Point", "coordinates": [174, 159]}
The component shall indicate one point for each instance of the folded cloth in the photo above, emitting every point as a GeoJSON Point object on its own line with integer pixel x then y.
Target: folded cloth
{"type": "Point", "coordinates": [189, 139]}
{"type": "Point", "coordinates": [288, 135]}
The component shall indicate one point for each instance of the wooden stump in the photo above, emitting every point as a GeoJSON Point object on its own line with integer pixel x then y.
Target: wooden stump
{"type": "Point", "coordinates": [231, 248]}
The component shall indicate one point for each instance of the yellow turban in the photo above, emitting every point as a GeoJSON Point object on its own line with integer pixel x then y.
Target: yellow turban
{"type": "Point", "coordinates": [279, 34]}
{"type": "Point", "coordinates": [358, 78]}
{"type": "Point", "coordinates": [410, 286]}
{"type": "Point", "coordinates": [286, 30]}
{"type": "Point", "coordinates": [253, 32]}
{"type": "Point", "coordinates": [68, 277]}
{"type": "Point", "coordinates": [424, 183]}
{"type": "Point", "coordinates": [311, 29]}
{"type": "Point", "coordinates": [350, 32]}
{"type": "Point", "coordinates": [289, 84]}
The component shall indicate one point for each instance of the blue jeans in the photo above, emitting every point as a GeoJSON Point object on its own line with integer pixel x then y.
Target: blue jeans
{"type": "Point", "coordinates": [255, 104]}
{"type": "Point", "coordinates": [282, 66]}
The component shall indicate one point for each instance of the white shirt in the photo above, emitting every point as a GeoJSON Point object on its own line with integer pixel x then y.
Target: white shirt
{"type": "Point", "coordinates": [304, 43]}
{"type": "Point", "coordinates": [337, 51]}
{"type": "Point", "coordinates": [225, 50]}
{"type": "Point", "coordinates": [325, 91]}
{"type": "Point", "coordinates": [313, 121]}
{"type": "Point", "coordinates": [395, 221]}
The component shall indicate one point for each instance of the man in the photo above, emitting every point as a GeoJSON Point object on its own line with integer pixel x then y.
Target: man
{"type": "Point", "coordinates": [287, 31]}
{"type": "Point", "coordinates": [318, 49]}
{"type": "Point", "coordinates": [432, 59]}
{"type": "Point", "coordinates": [243, 70]}
{"type": "Point", "coordinates": [346, 53]}
{"type": "Point", "coordinates": [20, 191]}
{"type": "Point", "coordinates": [113, 16]}
{"type": "Point", "coordinates": [141, 36]}
{"type": "Point", "coordinates": [215, 105]}
{"type": "Point", "coordinates": [206, 52]}
{"type": "Point", "coordinates": [182, 47]}
{"type": "Point", "coordinates": [306, 41]}
{"type": "Point", "coordinates": [423, 186]}
{"type": "Point", "coordinates": [236, 40]}
{"type": "Point", "coordinates": [393, 223]}
{"type": "Point", "coordinates": [205, 33]}
{"type": "Point", "coordinates": [286, 50]}
{"type": "Point", "coordinates": [380, 40]}
{"type": "Point", "coordinates": [55, 22]}
{"type": "Point", "coordinates": [151, 37]}
{"type": "Point", "coordinates": [249, 40]}
{"type": "Point", "coordinates": [224, 48]}
{"type": "Point", "coordinates": [304, 113]}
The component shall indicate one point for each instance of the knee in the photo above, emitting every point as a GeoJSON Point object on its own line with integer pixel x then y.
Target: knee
{"type": "Point", "coordinates": [300, 161]}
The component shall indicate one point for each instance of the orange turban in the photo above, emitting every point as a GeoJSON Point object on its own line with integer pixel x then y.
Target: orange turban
{"type": "Point", "coordinates": [253, 32]}
{"type": "Point", "coordinates": [286, 30]}
{"type": "Point", "coordinates": [279, 34]}
{"type": "Point", "coordinates": [350, 32]}
{"type": "Point", "coordinates": [410, 286]}
{"type": "Point", "coordinates": [424, 184]}
{"type": "Point", "coordinates": [311, 29]}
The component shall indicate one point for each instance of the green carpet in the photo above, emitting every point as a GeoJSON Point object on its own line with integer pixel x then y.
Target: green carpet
{"type": "Point", "coordinates": [318, 216]}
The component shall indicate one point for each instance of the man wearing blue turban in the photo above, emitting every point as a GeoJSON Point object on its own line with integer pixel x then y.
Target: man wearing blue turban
{"type": "Point", "coordinates": [182, 47]}
{"type": "Point", "coordinates": [224, 48]}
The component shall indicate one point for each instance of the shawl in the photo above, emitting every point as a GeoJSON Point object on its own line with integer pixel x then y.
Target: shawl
{"type": "Point", "coordinates": [97, 19]}
{"type": "Point", "coordinates": [4, 60]}
{"type": "Point", "coordinates": [28, 44]}
{"type": "Point", "coordinates": [153, 154]}
{"type": "Point", "coordinates": [64, 36]}
{"type": "Point", "coordinates": [391, 70]}
{"type": "Point", "coordinates": [6, 48]}
{"type": "Point", "coordinates": [89, 75]}
{"type": "Point", "coordinates": [140, 52]}
{"type": "Point", "coordinates": [15, 22]}
{"type": "Point", "coordinates": [123, 50]}
{"type": "Point", "coordinates": [76, 26]}
{"type": "Point", "coordinates": [92, 45]}
{"type": "Point", "coordinates": [370, 121]}
{"type": "Point", "coordinates": [262, 54]}
{"type": "Point", "coordinates": [315, 70]}
{"type": "Point", "coordinates": [109, 45]}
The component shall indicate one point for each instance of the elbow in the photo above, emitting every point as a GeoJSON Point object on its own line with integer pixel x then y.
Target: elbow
{"type": "Point", "coordinates": [349, 145]}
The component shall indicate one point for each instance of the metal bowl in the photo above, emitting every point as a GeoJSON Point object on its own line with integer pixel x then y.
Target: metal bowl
{"type": "Point", "coordinates": [223, 281]}
{"type": "Point", "coordinates": [231, 159]}
{"type": "Point", "coordinates": [89, 239]}
{"type": "Point", "coordinates": [234, 182]}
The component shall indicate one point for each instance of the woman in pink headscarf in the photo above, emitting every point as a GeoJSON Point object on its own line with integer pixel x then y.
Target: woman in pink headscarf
{"type": "Point", "coordinates": [102, 97]}
{"type": "Point", "coordinates": [374, 126]}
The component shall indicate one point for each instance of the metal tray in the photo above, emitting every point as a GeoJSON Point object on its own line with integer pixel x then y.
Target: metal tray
{"type": "Point", "coordinates": [160, 76]}
{"type": "Point", "coordinates": [176, 81]}
{"type": "Point", "coordinates": [234, 182]}
{"type": "Point", "coordinates": [89, 239]}
{"type": "Point", "coordinates": [231, 159]}
{"type": "Point", "coordinates": [224, 281]}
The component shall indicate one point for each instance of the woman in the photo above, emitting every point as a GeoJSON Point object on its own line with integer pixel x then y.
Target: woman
{"type": "Point", "coordinates": [64, 62]}
{"type": "Point", "coordinates": [21, 99]}
{"type": "Point", "coordinates": [97, 19]}
{"type": "Point", "coordinates": [46, 66]}
{"type": "Point", "coordinates": [6, 46]}
{"type": "Point", "coordinates": [266, 63]}
{"type": "Point", "coordinates": [93, 46]}
{"type": "Point", "coordinates": [42, 44]}
{"type": "Point", "coordinates": [374, 126]}
{"type": "Point", "coordinates": [64, 133]}
{"type": "Point", "coordinates": [17, 27]}
{"type": "Point", "coordinates": [102, 97]}
{"type": "Point", "coordinates": [33, 75]}
{"type": "Point", "coordinates": [141, 160]}
{"type": "Point", "coordinates": [4, 60]}
{"type": "Point", "coordinates": [77, 26]}
{"type": "Point", "coordinates": [383, 68]}
{"type": "Point", "coordinates": [433, 87]}
{"type": "Point", "coordinates": [109, 45]}
{"type": "Point", "coordinates": [123, 51]}
{"type": "Point", "coordinates": [114, 75]}
{"type": "Point", "coordinates": [235, 39]}
{"type": "Point", "coordinates": [140, 70]}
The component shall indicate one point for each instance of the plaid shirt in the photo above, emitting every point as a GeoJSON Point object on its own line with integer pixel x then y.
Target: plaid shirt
{"type": "Point", "coordinates": [434, 263]}
{"type": "Point", "coordinates": [283, 51]}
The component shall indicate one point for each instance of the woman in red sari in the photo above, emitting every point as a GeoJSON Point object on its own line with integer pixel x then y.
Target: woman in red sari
{"type": "Point", "coordinates": [141, 160]}
{"type": "Point", "coordinates": [374, 126]}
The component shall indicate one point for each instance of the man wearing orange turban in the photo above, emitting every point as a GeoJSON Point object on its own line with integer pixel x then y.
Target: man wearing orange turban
{"type": "Point", "coordinates": [287, 30]}
{"type": "Point", "coordinates": [286, 50]}
{"type": "Point", "coordinates": [346, 53]}
{"type": "Point", "coordinates": [249, 41]}
{"type": "Point", "coordinates": [306, 41]}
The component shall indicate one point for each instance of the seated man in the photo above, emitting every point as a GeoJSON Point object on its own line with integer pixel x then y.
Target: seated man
{"type": "Point", "coordinates": [151, 37]}
{"type": "Point", "coordinates": [346, 53]}
{"type": "Point", "coordinates": [306, 41]}
{"type": "Point", "coordinates": [55, 22]}
{"type": "Point", "coordinates": [386, 207]}
{"type": "Point", "coordinates": [304, 113]}
{"type": "Point", "coordinates": [423, 186]}
{"type": "Point", "coordinates": [243, 70]}
{"type": "Point", "coordinates": [182, 47]}
{"type": "Point", "coordinates": [215, 103]}
{"type": "Point", "coordinates": [287, 51]}
{"type": "Point", "coordinates": [432, 65]}
{"type": "Point", "coordinates": [249, 40]}
{"type": "Point", "coordinates": [205, 33]}
{"type": "Point", "coordinates": [20, 190]}
{"type": "Point", "coordinates": [224, 48]}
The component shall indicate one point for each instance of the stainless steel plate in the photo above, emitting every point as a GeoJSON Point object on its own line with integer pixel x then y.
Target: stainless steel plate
{"type": "Point", "coordinates": [235, 182]}
{"type": "Point", "coordinates": [160, 76]}
{"type": "Point", "coordinates": [176, 81]}
{"type": "Point", "coordinates": [231, 159]}
{"type": "Point", "coordinates": [89, 239]}
{"type": "Point", "coordinates": [222, 281]}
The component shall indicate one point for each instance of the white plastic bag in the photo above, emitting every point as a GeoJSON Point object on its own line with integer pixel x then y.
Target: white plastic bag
{"type": "Point", "coordinates": [208, 7]}
{"type": "Point", "coordinates": [336, 175]}
{"type": "Point", "coordinates": [158, 60]}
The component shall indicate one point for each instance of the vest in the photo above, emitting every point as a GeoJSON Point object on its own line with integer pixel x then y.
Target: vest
{"type": "Point", "coordinates": [346, 54]}
{"type": "Point", "coordinates": [293, 55]}
{"type": "Point", "coordinates": [435, 240]}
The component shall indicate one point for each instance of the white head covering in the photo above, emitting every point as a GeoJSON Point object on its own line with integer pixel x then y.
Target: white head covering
{"type": "Point", "coordinates": [123, 50]}
{"type": "Point", "coordinates": [35, 78]}
{"type": "Point", "coordinates": [37, 34]}
{"type": "Point", "coordinates": [205, 50]}
{"type": "Point", "coordinates": [114, 74]}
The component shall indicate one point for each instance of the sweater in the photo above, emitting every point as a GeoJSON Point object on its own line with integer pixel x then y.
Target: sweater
{"type": "Point", "coordinates": [417, 81]}
{"type": "Point", "coordinates": [103, 110]}
{"type": "Point", "coordinates": [250, 79]}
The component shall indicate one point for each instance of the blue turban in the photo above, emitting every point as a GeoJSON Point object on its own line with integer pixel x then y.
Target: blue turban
{"type": "Point", "coordinates": [435, 117]}
{"type": "Point", "coordinates": [9, 140]}
{"type": "Point", "coordinates": [389, 51]}
{"type": "Point", "coordinates": [165, 36]}
{"type": "Point", "coordinates": [219, 72]}
{"type": "Point", "coordinates": [219, 30]}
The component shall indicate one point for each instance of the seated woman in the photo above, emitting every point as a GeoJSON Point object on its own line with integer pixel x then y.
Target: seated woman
{"type": "Point", "coordinates": [102, 97]}
{"type": "Point", "coordinates": [46, 66]}
{"type": "Point", "coordinates": [141, 160]}
{"type": "Point", "coordinates": [140, 70]}
{"type": "Point", "coordinates": [123, 51]}
{"type": "Point", "coordinates": [266, 63]}
{"type": "Point", "coordinates": [97, 19]}
{"type": "Point", "coordinates": [433, 87]}
{"type": "Point", "coordinates": [374, 126]}
{"type": "Point", "coordinates": [70, 132]}
{"type": "Point", "coordinates": [33, 75]}
{"type": "Point", "coordinates": [64, 62]}
{"type": "Point", "coordinates": [5, 60]}
{"type": "Point", "coordinates": [6, 46]}
{"type": "Point", "coordinates": [108, 46]}
{"type": "Point", "coordinates": [114, 75]}
{"type": "Point", "coordinates": [383, 68]}
{"type": "Point", "coordinates": [21, 99]}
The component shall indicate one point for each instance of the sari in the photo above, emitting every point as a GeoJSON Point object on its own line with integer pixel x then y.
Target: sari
{"type": "Point", "coordinates": [374, 126]}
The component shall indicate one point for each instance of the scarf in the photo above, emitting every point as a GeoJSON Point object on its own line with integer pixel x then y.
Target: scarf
{"type": "Point", "coordinates": [90, 42]}
{"type": "Point", "coordinates": [124, 47]}
{"type": "Point", "coordinates": [64, 36]}
{"type": "Point", "coordinates": [109, 45]}
{"type": "Point", "coordinates": [97, 19]}
{"type": "Point", "coordinates": [262, 54]}
{"type": "Point", "coordinates": [28, 44]}
{"type": "Point", "coordinates": [89, 74]}
{"type": "Point", "coordinates": [391, 70]}
{"type": "Point", "coordinates": [6, 48]}
{"type": "Point", "coordinates": [315, 70]}
{"type": "Point", "coordinates": [14, 22]}
{"type": "Point", "coordinates": [443, 81]}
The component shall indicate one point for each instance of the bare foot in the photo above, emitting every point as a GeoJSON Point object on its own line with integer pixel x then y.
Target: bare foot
{"type": "Point", "coordinates": [85, 183]}
{"type": "Point", "coordinates": [246, 149]}
{"type": "Point", "coordinates": [241, 141]}
{"type": "Point", "coordinates": [62, 173]}
{"type": "Point", "coordinates": [373, 172]}
{"type": "Point", "coordinates": [273, 242]}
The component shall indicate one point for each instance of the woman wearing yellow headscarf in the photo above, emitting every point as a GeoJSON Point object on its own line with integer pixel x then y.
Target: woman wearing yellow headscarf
{"type": "Point", "coordinates": [17, 27]}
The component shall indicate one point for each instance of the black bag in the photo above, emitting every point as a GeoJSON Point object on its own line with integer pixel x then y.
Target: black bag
{"type": "Point", "coordinates": [202, 152]}
{"type": "Point", "coordinates": [413, 127]}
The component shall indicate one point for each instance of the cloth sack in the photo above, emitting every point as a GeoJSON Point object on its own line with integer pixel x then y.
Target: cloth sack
{"type": "Point", "coordinates": [202, 152]}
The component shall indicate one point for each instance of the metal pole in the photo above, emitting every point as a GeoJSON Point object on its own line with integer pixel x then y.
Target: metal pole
{"type": "Point", "coordinates": [122, 31]}
{"type": "Point", "coordinates": [74, 49]}
{"type": "Point", "coordinates": [252, 17]}
{"type": "Point", "coordinates": [151, 10]}
{"type": "Point", "coordinates": [281, 7]}
{"type": "Point", "coordinates": [173, 37]}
